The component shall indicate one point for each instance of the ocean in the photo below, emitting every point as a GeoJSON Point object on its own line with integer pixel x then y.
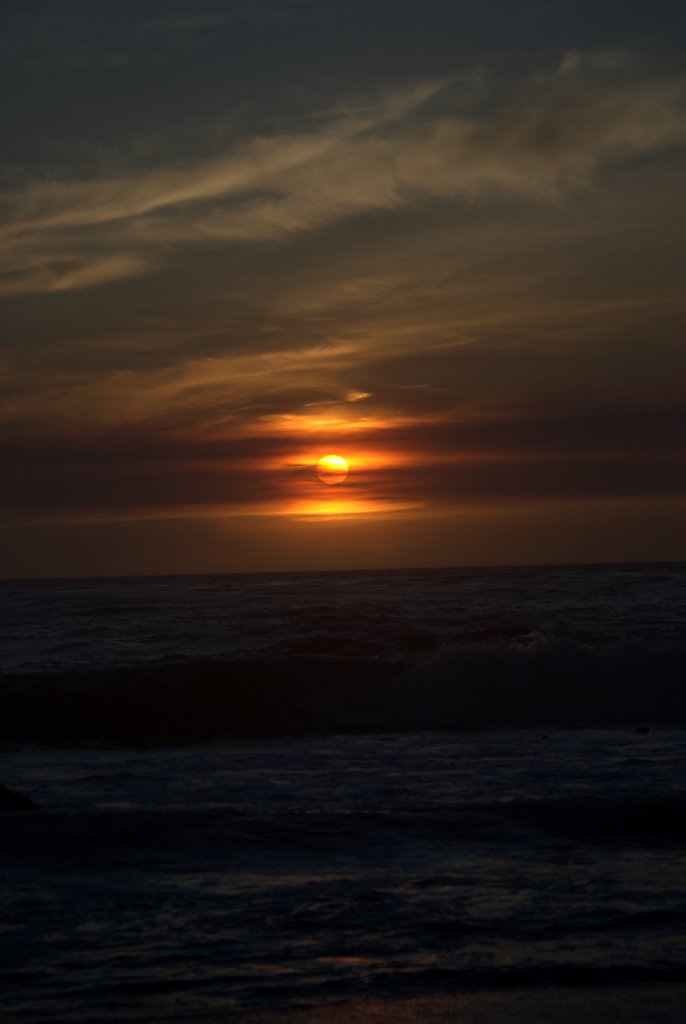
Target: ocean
{"type": "Point", "coordinates": [295, 793]}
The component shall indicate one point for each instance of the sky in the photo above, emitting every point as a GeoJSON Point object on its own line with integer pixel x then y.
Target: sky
{"type": "Point", "coordinates": [443, 240]}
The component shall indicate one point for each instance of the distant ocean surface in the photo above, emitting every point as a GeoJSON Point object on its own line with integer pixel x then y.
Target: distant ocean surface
{"type": "Point", "coordinates": [193, 658]}
{"type": "Point", "coordinates": [304, 789]}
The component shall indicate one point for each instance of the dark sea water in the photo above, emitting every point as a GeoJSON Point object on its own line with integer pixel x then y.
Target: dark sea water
{"type": "Point", "coordinates": [305, 789]}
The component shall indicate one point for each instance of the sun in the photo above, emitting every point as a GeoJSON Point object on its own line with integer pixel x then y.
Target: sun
{"type": "Point", "coordinates": [332, 469]}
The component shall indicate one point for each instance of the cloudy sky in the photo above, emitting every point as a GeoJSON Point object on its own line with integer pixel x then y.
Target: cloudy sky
{"type": "Point", "coordinates": [444, 240]}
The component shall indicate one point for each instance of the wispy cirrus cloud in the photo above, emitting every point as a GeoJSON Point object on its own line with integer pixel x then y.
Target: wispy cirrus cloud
{"type": "Point", "coordinates": [436, 141]}
{"type": "Point", "coordinates": [196, 395]}
{"type": "Point", "coordinates": [258, 163]}
{"type": "Point", "coordinates": [64, 272]}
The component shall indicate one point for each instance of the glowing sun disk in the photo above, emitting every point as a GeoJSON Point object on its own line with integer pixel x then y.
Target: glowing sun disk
{"type": "Point", "coordinates": [332, 469]}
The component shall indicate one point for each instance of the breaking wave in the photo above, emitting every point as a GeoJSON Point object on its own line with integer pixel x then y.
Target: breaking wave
{"type": "Point", "coordinates": [473, 686]}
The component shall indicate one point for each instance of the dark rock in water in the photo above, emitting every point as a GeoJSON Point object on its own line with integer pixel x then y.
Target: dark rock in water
{"type": "Point", "coordinates": [11, 801]}
{"type": "Point", "coordinates": [642, 730]}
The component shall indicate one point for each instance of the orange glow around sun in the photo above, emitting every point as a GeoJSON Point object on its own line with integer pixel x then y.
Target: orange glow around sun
{"type": "Point", "coordinates": [307, 481]}
{"type": "Point", "coordinates": [361, 468]}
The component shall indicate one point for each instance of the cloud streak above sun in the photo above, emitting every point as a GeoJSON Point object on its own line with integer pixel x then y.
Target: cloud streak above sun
{"type": "Point", "coordinates": [461, 139]}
